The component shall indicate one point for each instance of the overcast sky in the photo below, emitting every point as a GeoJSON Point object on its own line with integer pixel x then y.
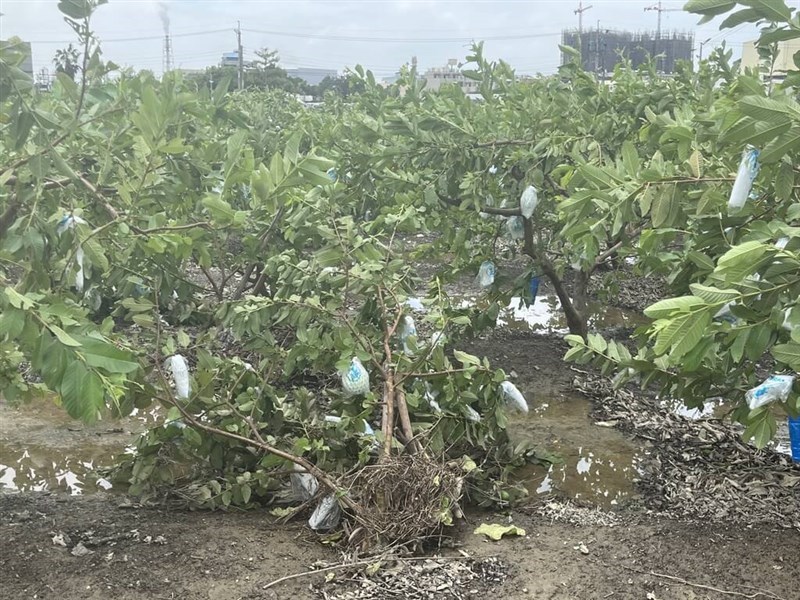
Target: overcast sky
{"type": "Point", "coordinates": [379, 34]}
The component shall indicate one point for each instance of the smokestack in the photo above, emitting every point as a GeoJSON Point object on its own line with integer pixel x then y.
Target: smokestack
{"type": "Point", "coordinates": [164, 16]}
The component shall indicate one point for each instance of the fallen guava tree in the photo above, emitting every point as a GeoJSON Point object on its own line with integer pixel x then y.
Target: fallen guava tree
{"type": "Point", "coordinates": [158, 248]}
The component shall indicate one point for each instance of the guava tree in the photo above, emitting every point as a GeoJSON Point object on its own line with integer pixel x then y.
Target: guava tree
{"type": "Point", "coordinates": [465, 164]}
{"type": "Point", "coordinates": [191, 249]}
{"type": "Point", "coordinates": [728, 241]}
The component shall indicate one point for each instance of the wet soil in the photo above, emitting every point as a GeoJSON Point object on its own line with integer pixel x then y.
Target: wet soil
{"type": "Point", "coordinates": [589, 534]}
{"type": "Point", "coordinates": [153, 554]}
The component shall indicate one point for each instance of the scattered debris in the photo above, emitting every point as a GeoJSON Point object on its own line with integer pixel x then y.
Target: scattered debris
{"type": "Point", "coordinates": [432, 578]}
{"type": "Point", "coordinates": [700, 468]}
{"type": "Point", "coordinates": [566, 512]}
{"type": "Point", "coordinates": [80, 550]}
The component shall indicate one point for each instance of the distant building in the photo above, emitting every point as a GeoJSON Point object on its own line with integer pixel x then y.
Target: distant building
{"type": "Point", "coordinates": [312, 76]}
{"type": "Point", "coordinates": [783, 64]}
{"type": "Point", "coordinates": [25, 47]}
{"type": "Point", "coordinates": [602, 49]}
{"type": "Point", "coordinates": [436, 77]}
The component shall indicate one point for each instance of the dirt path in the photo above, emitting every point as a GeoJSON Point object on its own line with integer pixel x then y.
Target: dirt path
{"type": "Point", "coordinates": [151, 554]}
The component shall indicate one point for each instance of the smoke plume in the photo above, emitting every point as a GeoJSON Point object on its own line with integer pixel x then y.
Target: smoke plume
{"type": "Point", "coordinates": [164, 15]}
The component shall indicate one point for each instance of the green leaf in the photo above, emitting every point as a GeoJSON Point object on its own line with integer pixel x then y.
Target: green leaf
{"type": "Point", "coordinates": [64, 337]}
{"type": "Point", "coordinates": [747, 15]}
{"type": "Point", "coordinates": [681, 334]}
{"type": "Point", "coordinates": [496, 532]}
{"type": "Point", "coordinates": [708, 7]}
{"type": "Point", "coordinates": [771, 10]}
{"type": "Point", "coordinates": [768, 109]}
{"type": "Point", "coordinates": [17, 300]}
{"type": "Point", "coordinates": [76, 9]}
{"type": "Point", "coordinates": [713, 295]}
{"type": "Point", "coordinates": [665, 206]}
{"type": "Point", "coordinates": [104, 355]}
{"type": "Point", "coordinates": [630, 158]}
{"type": "Point", "coordinates": [757, 342]}
{"type": "Point", "coordinates": [466, 359]}
{"type": "Point", "coordinates": [788, 354]}
{"type": "Point", "coordinates": [784, 144]}
{"type": "Point", "coordinates": [696, 164]}
{"type": "Point", "coordinates": [81, 392]}
{"type": "Point", "coordinates": [666, 308]}
{"type": "Point", "coordinates": [761, 427]}
{"type": "Point", "coordinates": [784, 180]}
{"type": "Point", "coordinates": [245, 490]}
{"type": "Point", "coordinates": [741, 260]}
{"type": "Point", "coordinates": [192, 436]}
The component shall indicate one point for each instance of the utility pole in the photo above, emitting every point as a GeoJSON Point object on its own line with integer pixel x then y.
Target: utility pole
{"type": "Point", "coordinates": [597, 48]}
{"type": "Point", "coordinates": [703, 43]}
{"type": "Point", "coordinates": [658, 8]}
{"type": "Point", "coordinates": [240, 54]}
{"type": "Point", "coordinates": [579, 11]}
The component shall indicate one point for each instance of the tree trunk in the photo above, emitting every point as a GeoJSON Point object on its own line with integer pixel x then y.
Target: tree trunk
{"type": "Point", "coordinates": [574, 310]}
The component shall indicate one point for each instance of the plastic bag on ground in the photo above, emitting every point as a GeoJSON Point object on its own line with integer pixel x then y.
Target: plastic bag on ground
{"type": "Point", "coordinates": [355, 380]}
{"type": "Point", "coordinates": [304, 485]}
{"type": "Point", "coordinates": [486, 274]}
{"type": "Point", "coordinates": [725, 314]}
{"type": "Point", "coordinates": [775, 388]}
{"type": "Point", "coordinates": [745, 176]}
{"type": "Point", "coordinates": [327, 514]}
{"type": "Point", "coordinates": [513, 397]}
{"type": "Point", "coordinates": [180, 375]}
{"type": "Point", "coordinates": [528, 201]}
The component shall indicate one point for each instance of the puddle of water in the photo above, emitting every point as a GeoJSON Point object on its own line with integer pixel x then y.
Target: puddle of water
{"type": "Point", "coordinates": [44, 449]}
{"type": "Point", "coordinates": [599, 464]}
{"type": "Point", "coordinates": [38, 469]}
{"type": "Point", "coordinates": [545, 315]}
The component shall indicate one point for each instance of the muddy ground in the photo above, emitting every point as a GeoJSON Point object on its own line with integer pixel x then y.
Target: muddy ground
{"type": "Point", "coordinates": [596, 525]}
{"type": "Point", "coordinates": [590, 531]}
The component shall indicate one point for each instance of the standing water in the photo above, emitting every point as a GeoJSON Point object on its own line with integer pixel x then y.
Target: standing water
{"type": "Point", "coordinates": [593, 464]}
{"type": "Point", "coordinates": [43, 449]}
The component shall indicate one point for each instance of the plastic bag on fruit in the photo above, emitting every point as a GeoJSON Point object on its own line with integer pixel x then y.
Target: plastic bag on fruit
{"type": "Point", "coordinates": [180, 375]}
{"type": "Point", "coordinates": [745, 176]}
{"type": "Point", "coordinates": [516, 228]}
{"type": "Point", "coordinates": [513, 397]}
{"type": "Point", "coordinates": [408, 329]}
{"type": "Point", "coordinates": [528, 201]}
{"type": "Point", "coordinates": [533, 287]}
{"type": "Point", "coordinates": [486, 273]}
{"type": "Point", "coordinates": [775, 388]}
{"type": "Point", "coordinates": [355, 380]}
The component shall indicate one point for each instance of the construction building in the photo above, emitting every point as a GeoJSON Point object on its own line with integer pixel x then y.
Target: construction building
{"type": "Point", "coordinates": [602, 49]}
{"type": "Point", "coordinates": [783, 63]}
{"type": "Point", "coordinates": [436, 77]}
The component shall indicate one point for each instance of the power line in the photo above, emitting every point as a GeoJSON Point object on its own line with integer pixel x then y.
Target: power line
{"type": "Point", "coordinates": [344, 38]}
{"type": "Point", "coordinates": [134, 39]}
